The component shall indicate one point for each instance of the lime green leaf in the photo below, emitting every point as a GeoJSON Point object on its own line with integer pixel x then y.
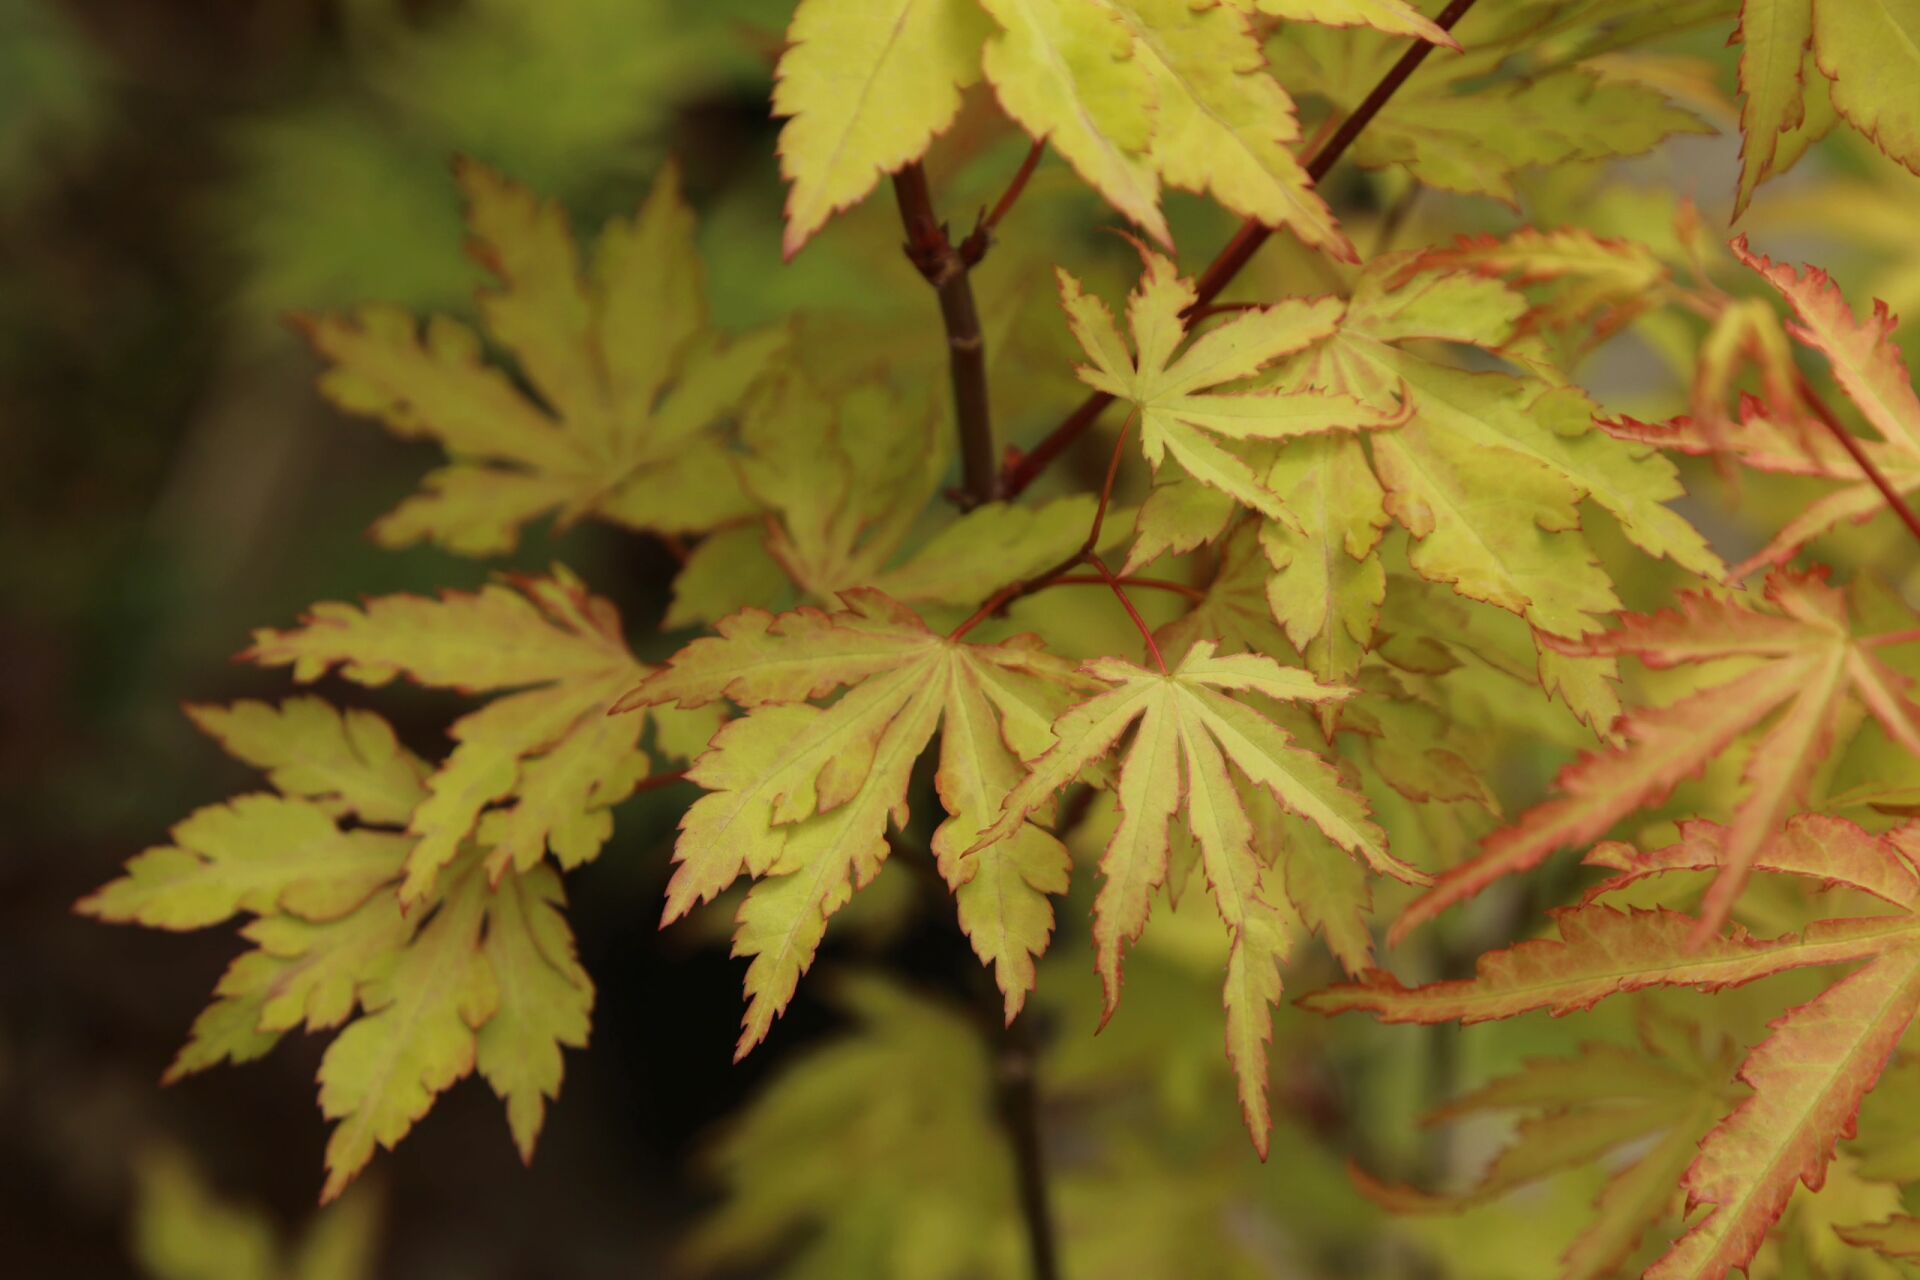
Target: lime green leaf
{"type": "Point", "coordinates": [347, 762]}
{"type": "Point", "coordinates": [1870, 49]}
{"type": "Point", "coordinates": [802, 797]}
{"type": "Point", "coordinates": [1178, 414]}
{"type": "Point", "coordinates": [548, 754]}
{"type": "Point", "coordinates": [630, 379]}
{"type": "Point", "coordinates": [381, 1074]}
{"type": "Point", "coordinates": [1774, 37]}
{"type": "Point", "coordinates": [257, 853]}
{"type": "Point", "coordinates": [845, 475]}
{"type": "Point", "coordinates": [545, 1000]}
{"type": "Point", "coordinates": [865, 87]}
{"type": "Point", "coordinates": [1221, 124]}
{"type": "Point", "coordinates": [1327, 581]}
{"type": "Point", "coordinates": [1186, 730]}
{"type": "Point", "coordinates": [1066, 71]}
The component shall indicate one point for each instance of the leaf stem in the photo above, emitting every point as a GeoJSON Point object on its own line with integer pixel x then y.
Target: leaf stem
{"type": "Point", "coordinates": [1023, 470]}
{"type": "Point", "coordinates": [659, 780]}
{"type": "Point", "coordinates": [1194, 594]}
{"type": "Point", "coordinates": [1146, 632]}
{"type": "Point", "coordinates": [974, 247]}
{"type": "Point", "coordinates": [945, 268]}
{"type": "Point", "coordinates": [1824, 412]}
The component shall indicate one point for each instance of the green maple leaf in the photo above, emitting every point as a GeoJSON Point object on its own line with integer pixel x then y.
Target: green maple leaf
{"type": "Point", "coordinates": [801, 797]}
{"type": "Point", "coordinates": [534, 771]}
{"type": "Point", "coordinates": [630, 379]}
{"type": "Point", "coordinates": [1191, 737]}
{"type": "Point", "coordinates": [846, 487]}
{"type": "Point", "coordinates": [1181, 410]}
{"type": "Point", "coordinates": [1473, 122]}
{"type": "Point", "coordinates": [480, 970]}
{"type": "Point", "coordinates": [1131, 93]}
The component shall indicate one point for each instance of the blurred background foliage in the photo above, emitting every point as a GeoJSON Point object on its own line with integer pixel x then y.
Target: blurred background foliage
{"type": "Point", "coordinates": [177, 174]}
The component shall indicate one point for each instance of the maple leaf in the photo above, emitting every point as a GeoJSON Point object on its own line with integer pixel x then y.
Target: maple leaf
{"type": "Point", "coordinates": [629, 375]}
{"type": "Point", "coordinates": [1189, 732]}
{"type": "Point", "coordinates": [1178, 413]}
{"type": "Point", "coordinates": [865, 88]}
{"type": "Point", "coordinates": [1809, 666]}
{"type": "Point", "coordinates": [533, 771]}
{"type": "Point", "coordinates": [1131, 92]}
{"type": "Point", "coordinates": [1864, 49]}
{"type": "Point", "coordinates": [1659, 1101]}
{"type": "Point", "coordinates": [800, 796]}
{"type": "Point", "coordinates": [475, 972]}
{"type": "Point", "coordinates": [1774, 37]}
{"type": "Point", "coordinates": [347, 762]}
{"type": "Point", "coordinates": [1871, 371]}
{"type": "Point", "coordinates": [1808, 1076]}
{"type": "Point", "coordinates": [1394, 17]}
{"type": "Point", "coordinates": [1472, 122]}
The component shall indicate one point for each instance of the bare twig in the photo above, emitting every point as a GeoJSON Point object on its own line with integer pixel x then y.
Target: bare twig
{"type": "Point", "coordinates": [943, 267]}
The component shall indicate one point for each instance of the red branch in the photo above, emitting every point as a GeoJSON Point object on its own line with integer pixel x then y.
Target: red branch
{"type": "Point", "coordinates": [1822, 411]}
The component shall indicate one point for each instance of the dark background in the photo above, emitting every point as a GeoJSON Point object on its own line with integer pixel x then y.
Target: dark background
{"type": "Point", "coordinates": [170, 479]}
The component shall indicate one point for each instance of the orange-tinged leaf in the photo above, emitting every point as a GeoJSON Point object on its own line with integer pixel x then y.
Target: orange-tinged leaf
{"type": "Point", "coordinates": [1866, 363]}
{"type": "Point", "coordinates": [1811, 666]}
{"type": "Point", "coordinates": [1602, 952]}
{"type": "Point", "coordinates": [1808, 1080]}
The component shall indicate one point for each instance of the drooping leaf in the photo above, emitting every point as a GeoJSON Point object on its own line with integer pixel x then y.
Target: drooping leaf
{"type": "Point", "coordinates": [1190, 737]}
{"type": "Point", "coordinates": [801, 797]}
{"type": "Point", "coordinates": [1808, 1077]}
{"type": "Point", "coordinates": [1809, 666]}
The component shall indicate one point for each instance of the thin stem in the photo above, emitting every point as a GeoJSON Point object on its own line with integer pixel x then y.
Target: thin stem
{"type": "Point", "coordinates": [1146, 632]}
{"type": "Point", "coordinates": [1859, 456]}
{"type": "Point", "coordinates": [1041, 581]}
{"type": "Point", "coordinates": [933, 254]}
{"type": "Point", "coordinates": [659, 780]}
{"type": "Point", "coordinates": [1025, 469]}
{"type": "Point", "coordinates": [974, 247]}
{"type": "Point", "coordinates": [1015, 1058]}
{"type": "Point", "coordinates": [1194, 594]}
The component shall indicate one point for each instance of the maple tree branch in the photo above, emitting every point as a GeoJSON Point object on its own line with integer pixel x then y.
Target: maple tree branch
{"type": "Point", "coordinates": [1824, 412]}
{"type": "Point", "coordinates": [1026, 468]}
{"type": "Point", "coordinates": [945, 268]}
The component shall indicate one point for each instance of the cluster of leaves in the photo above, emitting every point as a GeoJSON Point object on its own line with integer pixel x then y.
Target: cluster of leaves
{"type": "Point", "coordinates": [1400, 531]}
